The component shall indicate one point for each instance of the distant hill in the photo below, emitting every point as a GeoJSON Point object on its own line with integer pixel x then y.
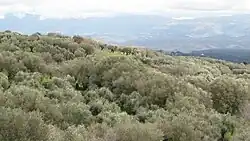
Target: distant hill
{"type": "Point", "coordinates": [156, 32]}
{"type": "Point", "coordinates": [233, 55]}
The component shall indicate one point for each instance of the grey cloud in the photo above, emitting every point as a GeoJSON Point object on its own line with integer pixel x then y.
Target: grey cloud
{"type": "Point", "coordinates": [207, 5]}
{"type": "Point", "coordinates": [60, 8]}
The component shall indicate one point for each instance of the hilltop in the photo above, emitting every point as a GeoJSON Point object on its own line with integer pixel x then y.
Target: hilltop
{"type": "Point", "coordinates": [60, 88]}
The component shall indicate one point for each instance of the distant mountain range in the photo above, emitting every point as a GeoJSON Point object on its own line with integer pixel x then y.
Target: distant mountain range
{"type": "Point", "coordinates": [157, 32]}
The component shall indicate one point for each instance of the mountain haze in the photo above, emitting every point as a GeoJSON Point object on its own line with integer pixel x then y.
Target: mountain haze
{"type": "Point", "coordinates": [158, 32]}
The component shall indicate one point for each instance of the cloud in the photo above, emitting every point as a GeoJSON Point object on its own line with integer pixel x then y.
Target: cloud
{"type": "Point", "coordinates": [86, 8]}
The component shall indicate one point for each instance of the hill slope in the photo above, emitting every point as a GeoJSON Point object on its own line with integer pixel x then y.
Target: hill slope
{"type": "Point", "coordinates": [58, 88]}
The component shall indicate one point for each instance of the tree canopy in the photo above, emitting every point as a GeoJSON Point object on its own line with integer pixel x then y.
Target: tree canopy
{"type": "Point", "coordinates": [61, 88]}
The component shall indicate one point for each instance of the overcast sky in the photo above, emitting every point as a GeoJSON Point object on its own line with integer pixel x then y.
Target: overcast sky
{"type": "Point", "coordinates": [83, 8]}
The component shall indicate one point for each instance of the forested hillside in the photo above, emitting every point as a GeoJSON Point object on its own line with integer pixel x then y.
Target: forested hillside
{"type": "Point", "coordinates": [60, 88]}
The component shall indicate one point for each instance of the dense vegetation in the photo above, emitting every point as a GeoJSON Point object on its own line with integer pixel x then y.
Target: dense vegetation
{"type": "Point", "coordinates": [59, 88]}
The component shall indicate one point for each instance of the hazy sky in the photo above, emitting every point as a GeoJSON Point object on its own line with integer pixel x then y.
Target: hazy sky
{"type": "Point", "coordinates": [83, 8]}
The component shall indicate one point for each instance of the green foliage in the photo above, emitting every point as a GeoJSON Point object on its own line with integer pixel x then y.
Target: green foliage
{"type": "Point", "coordinates": [57, 88]}
{"type": "Point", "coordinates": [229, 95]}
{"type": "Point", "coordinates": [20, 126]}
{"type": "Point", "coordinates": [4, 82]}
{"type": "Point", "coordinates": [138, 132]}
{"type": "Point", "coordinates": [89, 48]}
